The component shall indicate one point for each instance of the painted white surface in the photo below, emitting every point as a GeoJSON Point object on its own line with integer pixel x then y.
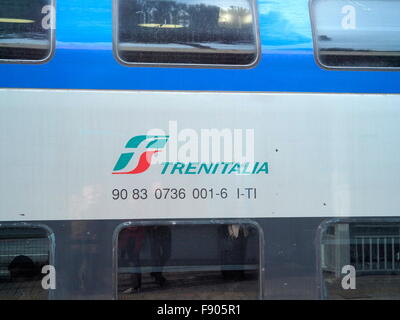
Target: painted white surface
{"type": "Point", "coordinates": [58, 150]}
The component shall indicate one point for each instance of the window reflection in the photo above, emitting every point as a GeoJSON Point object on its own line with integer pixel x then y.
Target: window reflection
{"type": "Point", "coordinates": [187, 32]}
{"type": "Point", "coordinates": [372, 249]}
{"type": "Point", "coordinates": [23, 253]}
{"type": "Point", "coordinates": [189, 261]}
{"type": "Point", "coordinates": [26, 29]}
{"type": "Point", "coordinates": [362, 34]}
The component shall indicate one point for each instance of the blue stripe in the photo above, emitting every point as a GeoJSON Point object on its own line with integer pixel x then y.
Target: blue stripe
{"type": "Point", "coordinates": [84, 59]}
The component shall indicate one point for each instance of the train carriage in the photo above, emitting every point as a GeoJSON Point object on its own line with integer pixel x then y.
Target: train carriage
{"type": "Point", "coordinates": [199, 149]}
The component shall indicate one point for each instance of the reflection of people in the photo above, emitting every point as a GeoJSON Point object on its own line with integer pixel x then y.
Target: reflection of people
{"type": "Point", "coordinates": [130, 244]}
{"type": "Point", "coordinates": [233, 244]}
{"type": "Point", "coordinates": [23, 268]}
{"type": "Point", "coordinates": [160, 246]}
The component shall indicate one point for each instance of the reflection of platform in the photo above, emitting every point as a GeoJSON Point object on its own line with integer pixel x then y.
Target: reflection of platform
{"type": "Point", "coordinates": [359, 53]}
{"type": "Point", "coordinates": [367, 287]}
{"type": "Point", "coordinates": [188, 268]}
{"type": "Point", "coordinates": [25, 43]}
{"type": "Point", "coordinates": [22, 290]}
{"type": "Point", "coordinates": [193, 286]}
{"type": "Point", "coordinates": [194, 48]}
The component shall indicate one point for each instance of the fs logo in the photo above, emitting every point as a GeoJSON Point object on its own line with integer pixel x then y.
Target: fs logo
{"type": "Point", "coordinates": [153, 143]}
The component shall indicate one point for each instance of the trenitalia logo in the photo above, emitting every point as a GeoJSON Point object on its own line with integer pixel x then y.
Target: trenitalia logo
{"type": "Point", "coordinates": [145, 146]}
{"type": "Point", "coordinates": [154, 143]}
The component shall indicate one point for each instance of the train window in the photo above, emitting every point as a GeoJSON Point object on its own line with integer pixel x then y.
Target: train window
{"type": "Point", "coordinates": [362, 34]}
{"type": "Point", "coordinates": [186, 32]}
{"type": "Point", "coordinates": [26, 30]}
{"type": "Point", "coordinates": [360, 259]}
{"type": "Point", "coordinates": [24, 251]}
{"type": "Point", "coordinates": [189, 261]}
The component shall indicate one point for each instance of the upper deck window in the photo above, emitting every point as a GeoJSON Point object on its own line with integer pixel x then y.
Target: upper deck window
{"type": "Point", "coordinates": [26, 30]}
{"type": "Point", "coordinates": [194, 32]}
{"type": "Point", "coordinates": [356, 34]}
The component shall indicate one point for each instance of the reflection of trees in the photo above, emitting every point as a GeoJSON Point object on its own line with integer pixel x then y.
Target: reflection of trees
{"type": "Point", "coordinates": [183, 18]}
{"type": "Point", "coordinates": [172, 21]}
{"type": "Point", "coordinates": [235, 17]}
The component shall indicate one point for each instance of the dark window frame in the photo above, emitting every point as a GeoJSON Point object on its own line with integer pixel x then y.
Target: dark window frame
{"type": "Point", "coordinates": [50, 237]}
{"type": "Point", "coordinates": [335, 68]}
{"type": "Point", "coordinates": [254, 63]}
{"type": "Point", "coordinates": [52, 42]}
{"type": "Point", "coordinates": [322, 229]}
{"type": "Point", "coordinates": [147, 223]}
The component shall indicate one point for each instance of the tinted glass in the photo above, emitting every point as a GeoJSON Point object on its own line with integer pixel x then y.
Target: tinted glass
{"type": "Point", "coordinates": [23, 253]}
{"type": "Point", "coordinates": [189, 262]}
{"type": "Point", "coordinates": [26, 29]}
{"type": "Point", "coordinates": [357, 34]}
{"type": "Point", "coordinates": [186, 32]}
{"type": "Point", "coordinates": [361, 260]}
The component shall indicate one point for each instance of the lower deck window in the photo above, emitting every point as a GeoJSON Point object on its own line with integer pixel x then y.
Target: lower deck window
{"type": "Point", "coordinates": [23, 253]}
{"type": "Point", "coordinates": [188, 261]}
{"type": "Point", "coordinates": [361, 260]}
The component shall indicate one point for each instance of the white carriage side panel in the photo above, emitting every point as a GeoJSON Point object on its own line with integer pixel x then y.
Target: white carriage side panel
{"type": "Point", "coordinates": [328, 154]}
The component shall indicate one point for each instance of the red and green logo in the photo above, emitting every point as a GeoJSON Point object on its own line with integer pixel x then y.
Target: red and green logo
{"type": "Point", "coordinates": [151, 145]}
